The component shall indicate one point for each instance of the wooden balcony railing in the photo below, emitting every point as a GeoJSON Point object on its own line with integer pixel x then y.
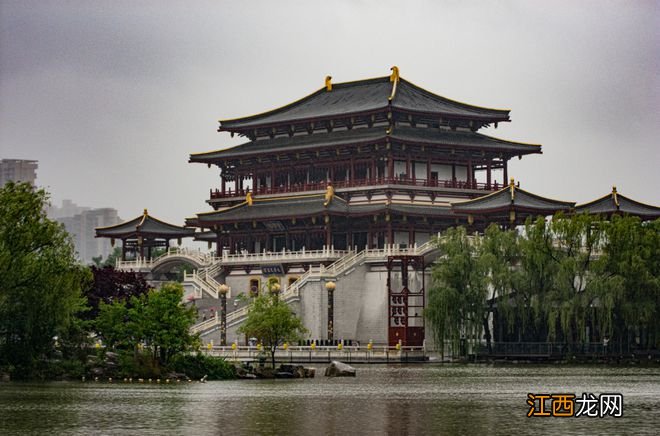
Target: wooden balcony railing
{"type": "Point", "coordinates": [305, 187]}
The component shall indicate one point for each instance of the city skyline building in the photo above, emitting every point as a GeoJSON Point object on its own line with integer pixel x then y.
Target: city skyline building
{"type": "Point", "coordinates": [18, 170]}
{"type": "Point", "coordinates": [81, 227]}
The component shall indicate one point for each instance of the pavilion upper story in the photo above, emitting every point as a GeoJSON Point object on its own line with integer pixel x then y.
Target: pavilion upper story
{"type": "Point", "coordinates": [364, 135]}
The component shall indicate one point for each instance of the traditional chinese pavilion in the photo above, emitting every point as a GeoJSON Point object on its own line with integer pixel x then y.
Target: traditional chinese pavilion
{"type": "Point", "coordinates": [142, 234]}
{"type": "Point", "coordinates": [360, 164]}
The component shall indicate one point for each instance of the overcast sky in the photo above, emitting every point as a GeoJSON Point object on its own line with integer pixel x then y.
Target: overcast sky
{"type": "Point", "coordinates": [111, 97]}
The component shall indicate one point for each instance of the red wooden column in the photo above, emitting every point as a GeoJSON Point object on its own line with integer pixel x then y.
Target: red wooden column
{"type": "Point", "coordinates": [409, 169]}
{"type": "Point", "coordinates": [350, 176]}
{"type": "Point", "coordinates": [505, 172]}
{"type": "Point", "coordinates": [453, 175]}
{"type": "Point", "coordinates": [488, 171]}
{"type": "Point", "coordinates": [428, 171]}
{"type": "Point", "coordinates": [328, 231]}
{"type": "Point", "coordinates": [373, 173]}
{"type": "Point", "coordinates": [469, 173]}
{"type": "Point", "coordinates": [390, 166]}
{"type": "Point", "coordinates": [390, 233]}
{"type": "Point", "coordinates": [223, 184]}
{"type": "Point", "coordinates": [272, 177]}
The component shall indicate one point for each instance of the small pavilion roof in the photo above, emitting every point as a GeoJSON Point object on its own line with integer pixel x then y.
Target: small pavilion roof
{"type": "Point", "coordinates": [511, 198]}
{"type": "Point", "coordinates": [411, 135]}
{"type": "Point", "coordinates": [614, 203]}
{"type": "Point", "coordinates": [144, 225]}
{"type": "Point", "coordinates": [363, 97]}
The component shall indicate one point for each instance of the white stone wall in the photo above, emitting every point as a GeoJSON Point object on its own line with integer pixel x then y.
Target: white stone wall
{"type": "Point", "coordinates": [360, 304]}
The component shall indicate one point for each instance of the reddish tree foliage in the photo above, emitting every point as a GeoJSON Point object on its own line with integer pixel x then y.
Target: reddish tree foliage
{"type": "Point", "coordinates": [112, 285]}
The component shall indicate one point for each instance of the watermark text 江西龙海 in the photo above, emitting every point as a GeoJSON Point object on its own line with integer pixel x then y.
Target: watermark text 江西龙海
{"type": "Point", "coordinates": [570, 405]}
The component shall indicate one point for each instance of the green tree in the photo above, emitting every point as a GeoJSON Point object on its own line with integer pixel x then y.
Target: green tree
{"type": "Point", "coordinates": [456, 306]}
{"type": "Point", "coordinates": [40, 279]}
{"type": "Point", "coordinates": [631, 256]}
{"type": "Point", "coordinates": [158, 320]}
{"type": "Point", "coordinates": [164, 322]}
{"type": "Point", "coordinates": [500, 253]}
{"type": "Point", "coordinates": [110, 261]}
{"type": "Point", "coordinates": [271, 321]}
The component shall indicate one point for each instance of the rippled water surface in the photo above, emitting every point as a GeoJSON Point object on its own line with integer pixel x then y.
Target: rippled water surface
{"type": "Point", "coordinates": [421, 399]}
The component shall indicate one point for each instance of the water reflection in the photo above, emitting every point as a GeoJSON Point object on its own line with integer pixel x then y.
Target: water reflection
{"type": "Point", "coordinates": [447, 400]}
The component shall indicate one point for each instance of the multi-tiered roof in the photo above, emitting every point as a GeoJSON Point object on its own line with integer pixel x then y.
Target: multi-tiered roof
{"type": "Point", "coordinates": [365, 112]}
{"type": "Point", "coordinates": [394, 154]}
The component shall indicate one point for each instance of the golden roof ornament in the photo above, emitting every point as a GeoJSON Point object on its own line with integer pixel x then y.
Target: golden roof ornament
{"type": "Point", "coordinates": [329, 194]}
{"type": "Point", "coordinates": [248, 199]}
{"type": "Point", "coordinates": [615, 196]}
{"type": "Point", "coordinates": [328, 83]}
{"type": "Point", "coordinates": [394, 77]}
{"type": "Point", "coordinates": [512, 188]}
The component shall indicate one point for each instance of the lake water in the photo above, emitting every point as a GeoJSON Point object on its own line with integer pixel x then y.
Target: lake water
{"type": "Point", "coordinates": [419, 399]}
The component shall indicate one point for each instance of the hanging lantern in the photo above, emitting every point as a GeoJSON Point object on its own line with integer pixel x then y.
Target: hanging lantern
{"type": "Point", "coordinates": [512, 216]}
{"type": "Point", "coordinates": [178, 241]}
{"type": "Point", "coordinates": [470, 219]}
{"type": "Point", "coordinates": [112, 242]}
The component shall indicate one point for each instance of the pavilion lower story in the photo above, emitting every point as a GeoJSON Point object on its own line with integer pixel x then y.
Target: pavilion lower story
{"type": "Point", "coordinates": [317, 232]}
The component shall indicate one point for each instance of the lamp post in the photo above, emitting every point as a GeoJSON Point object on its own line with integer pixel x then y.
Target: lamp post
{"type": "Point", "coordinates": [274, 289]}
{"type": "Point", "coordinates": [330, 286]}
{"type": "Point", "coordinates": [222, 291]}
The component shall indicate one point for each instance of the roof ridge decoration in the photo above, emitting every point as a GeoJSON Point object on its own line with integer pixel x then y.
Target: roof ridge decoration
{"type": "Point", "coordinates": [615, 196]}
{"type": "Point", "coordinates": [328, 83]}
{"type": "Point", "coordinates": [145, 215]}
{"type": "Point", "coordinates": [512, 188]}
{"type": "Point", "coordinates": [394, 78]}
{"type": "Point", "coordinates": [248, 198]}
{"type": "Point", "coordinates": [329, 195]}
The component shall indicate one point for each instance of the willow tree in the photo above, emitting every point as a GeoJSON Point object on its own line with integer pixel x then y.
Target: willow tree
{"type": "Point", "coordinates": [40, 279]}
{"type": "Point", "coordinates": [632, 255]}
{"type": "Point", "coordinates": [500, 253]}
{"type": "Point", "coordinates": [579, 286]}
{"type": "Point", "coordinates": [456, 300]}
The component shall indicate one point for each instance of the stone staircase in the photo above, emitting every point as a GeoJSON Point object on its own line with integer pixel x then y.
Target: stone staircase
{"type": "Point", "coordinates": [343, 266]}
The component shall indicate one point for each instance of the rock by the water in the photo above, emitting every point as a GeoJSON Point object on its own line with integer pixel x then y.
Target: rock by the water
{"type": "Point", "coordinates": [264, 372]}
{"type": "Point", "coordinates": [339, 369]}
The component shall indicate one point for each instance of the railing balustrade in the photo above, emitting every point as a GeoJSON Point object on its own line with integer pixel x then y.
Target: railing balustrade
{"type": "Point", "coordinates": [320, 186]}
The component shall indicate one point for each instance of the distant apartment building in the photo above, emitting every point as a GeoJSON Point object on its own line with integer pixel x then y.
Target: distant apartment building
{"type": "Point", "coordinates": [67, 210]}
{"type": "Point", "coordinates": [18, 170]}
{"type": "Point", "coordinates": [81, 228]}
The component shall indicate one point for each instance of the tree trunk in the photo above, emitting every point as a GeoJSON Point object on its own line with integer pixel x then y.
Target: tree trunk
{"type": "Point", "coordinates": [487, 334]}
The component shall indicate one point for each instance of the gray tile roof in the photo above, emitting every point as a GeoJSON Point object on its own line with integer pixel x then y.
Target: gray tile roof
{"type": "Point", "coordinates": [414, 135]}
{"type": "Point", "coordinates": [144, 225]}
{"type": "Point", "coordinates": [311, 205]}
{"type": "Point", "coordinates": [365, 96]}
{"type": "Point", "coordinates": [617, 203]}
{"type": "Point", "coordinates": [505, 199]}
